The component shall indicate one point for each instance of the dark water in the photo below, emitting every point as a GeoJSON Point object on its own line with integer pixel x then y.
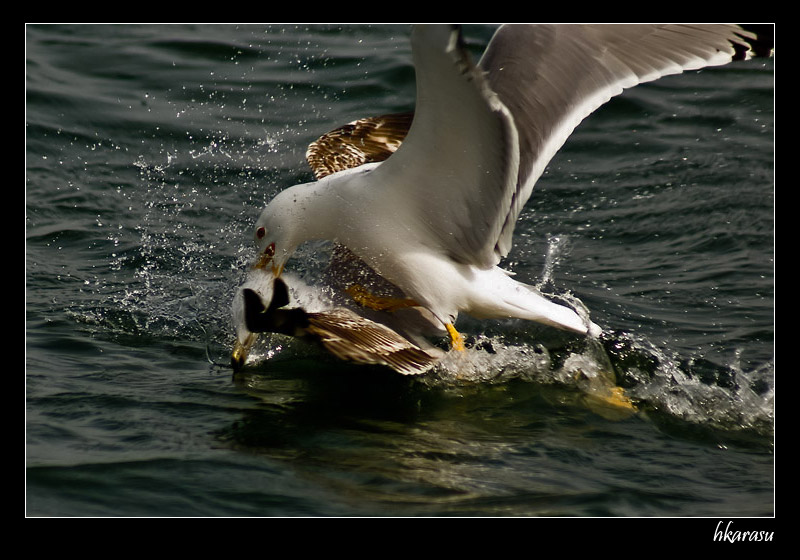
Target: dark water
{"type": "Point", "coordinates": [149, 153]}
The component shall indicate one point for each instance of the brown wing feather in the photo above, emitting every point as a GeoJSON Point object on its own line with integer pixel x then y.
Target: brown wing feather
{"type": "Point", "coordinates": [353, 338]}
{"type": "Point", "coordinates": [362, 141]}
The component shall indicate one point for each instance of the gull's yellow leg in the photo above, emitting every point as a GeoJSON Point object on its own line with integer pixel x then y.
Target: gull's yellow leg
{"type": "Point", "coordinates": [456, 340]}
{"type": "Point", "coordinates": [361, 296]}
{"type": "Point", "coordinates": [611, 403]}
{"type": "Point", "coordinates": [605, 397]}
{"type": "Point", "coordinates": [619, 399]}
{"type": "Point", "coordinates": [378, 303]}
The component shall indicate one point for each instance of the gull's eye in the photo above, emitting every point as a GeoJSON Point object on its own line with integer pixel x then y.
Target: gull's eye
{"type": "Point", "coordinates": [261, 232]}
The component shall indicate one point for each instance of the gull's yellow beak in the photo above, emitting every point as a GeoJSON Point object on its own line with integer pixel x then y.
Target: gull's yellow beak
{"type": "Point", "coordinates": [240, 351]}
{"type": "Point", "coordinates": [267, 258]}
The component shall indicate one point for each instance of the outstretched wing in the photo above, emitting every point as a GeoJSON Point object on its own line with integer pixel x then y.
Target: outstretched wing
{"type": "Point", "coordinates": [482, 135]}
{"type": "Point", "coordinates": [551, 77]}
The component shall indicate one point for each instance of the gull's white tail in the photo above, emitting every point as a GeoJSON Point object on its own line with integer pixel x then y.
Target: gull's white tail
{"type": "Point", "coordinates": [501, 296]}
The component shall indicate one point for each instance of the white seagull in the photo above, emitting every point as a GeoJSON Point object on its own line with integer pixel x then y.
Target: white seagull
{"type": "Point", "coordinates": [436, 218]}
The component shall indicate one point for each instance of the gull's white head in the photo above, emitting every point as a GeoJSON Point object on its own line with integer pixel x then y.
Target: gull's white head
{"type": "Point", "coordinates": [281, 228]}
{"type": "Point", "coordinates": [273, 241]}
{"type": "Point", "coordinates": [305, 212]}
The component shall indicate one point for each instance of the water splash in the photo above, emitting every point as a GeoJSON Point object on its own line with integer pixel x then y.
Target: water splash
{"type": "Point", "coordinates": [694, 391]}
{"type": "Point", "coordinates": [557, 248]}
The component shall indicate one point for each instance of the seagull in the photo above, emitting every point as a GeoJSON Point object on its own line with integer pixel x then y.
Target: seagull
{"type": "Point", "coordinates": [433, 213]}
{"type": "Point", "coordinates": [347, 335]}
